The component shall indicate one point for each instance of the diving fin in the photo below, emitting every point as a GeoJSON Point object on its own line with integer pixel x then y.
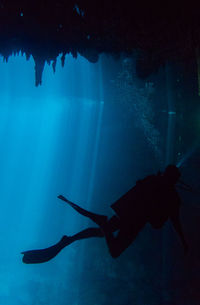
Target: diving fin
{"type": "Point", "coordinates": [37, 256]}
{"type": "Point", "coordinates": [44, 255]}
{"type": "Point", "coordinates": [64, 199]}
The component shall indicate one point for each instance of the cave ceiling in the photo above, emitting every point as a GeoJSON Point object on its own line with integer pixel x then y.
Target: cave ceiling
{"type": "Point", "coordinates": [45, 29]}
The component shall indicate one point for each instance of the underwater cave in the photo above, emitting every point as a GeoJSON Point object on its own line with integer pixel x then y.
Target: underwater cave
{"type": "Point", "coordinates": [94, 97]}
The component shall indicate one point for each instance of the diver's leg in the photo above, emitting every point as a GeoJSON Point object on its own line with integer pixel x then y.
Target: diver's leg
{"type": "Point", "coordinates": [87, 233]}
{"type": "Point", "coordinates": [44, 255]}
{"type": "Point", "coordinates": [116, 245]}
{"type": "Point", "coordinates": [113, 224]}
{"type": "Point", "coordinates": [98, 219]}
{"type": "Point", "coordinates": [122, 241]}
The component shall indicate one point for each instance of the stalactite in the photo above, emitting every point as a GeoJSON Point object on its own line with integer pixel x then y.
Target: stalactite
{"type": "Point", "coordinates": [63, 59]}
{"type": "Point", "coordinates": [28, 55]}
{"type": "Point", "coordinates": [39, 67]}
{"type": "Point", "coordinates": [54, 65]}
{"type": "Point", "coordinates": [74, 53]}
{"type": "Point", "coordinates": [80, 27]}
{"type": "Point", "coordinates": [5, 58]}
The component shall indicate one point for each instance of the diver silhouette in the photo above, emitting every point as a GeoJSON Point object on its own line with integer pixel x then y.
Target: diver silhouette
{"type": "Point", "coordinates": [152, 200]}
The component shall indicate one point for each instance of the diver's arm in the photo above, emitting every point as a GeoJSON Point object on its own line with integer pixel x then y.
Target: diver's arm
{"type": "Point", "coordinates": [175, 219]}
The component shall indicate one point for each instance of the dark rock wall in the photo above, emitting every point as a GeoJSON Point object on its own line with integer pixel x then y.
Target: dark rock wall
{"type": "Point", "coordinates": [45, 29]}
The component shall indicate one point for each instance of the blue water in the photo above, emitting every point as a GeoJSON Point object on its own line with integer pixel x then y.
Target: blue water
{"type": "Point", "coordinates": [49, 142]}
{"type": "Point", "coordinates": [66, 137]}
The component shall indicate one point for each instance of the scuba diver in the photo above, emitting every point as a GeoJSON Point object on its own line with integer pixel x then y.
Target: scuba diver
{"type": "Point", "coordinates": [152, 200]}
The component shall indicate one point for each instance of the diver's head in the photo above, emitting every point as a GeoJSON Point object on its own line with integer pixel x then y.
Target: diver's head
{"type": "Point", "coordinates": [172, 174]}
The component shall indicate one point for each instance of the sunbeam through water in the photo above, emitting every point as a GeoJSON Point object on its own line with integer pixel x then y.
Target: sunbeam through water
{"type": "Point", "coordinates": [49, 142]}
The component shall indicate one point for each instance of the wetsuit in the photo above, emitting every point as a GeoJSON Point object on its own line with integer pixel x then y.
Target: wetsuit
{"type": "Point", "coordinates": [151, 200]}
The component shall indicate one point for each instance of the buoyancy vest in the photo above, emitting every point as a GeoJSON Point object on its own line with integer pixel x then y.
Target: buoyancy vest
{"type": "Point", "coordinates": [150, 200]}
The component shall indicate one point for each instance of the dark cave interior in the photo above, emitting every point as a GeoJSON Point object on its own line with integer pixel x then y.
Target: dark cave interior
{"type": "Point", "coordinates": [156, 32]}
{"type": "Point", "coordinates": [149, 52]}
